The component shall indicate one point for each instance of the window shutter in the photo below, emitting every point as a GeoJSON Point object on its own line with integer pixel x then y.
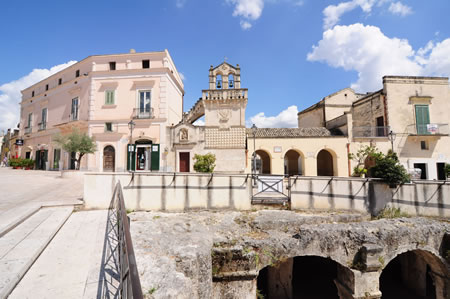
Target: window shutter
{"type": "Point", "coordinates": [110, 97]}
{"type": "Point", "coordinates": [155, 157]}
{"type": "Point", "coordinates": [131, 157]}
{"type": "Point", "coordinates": [422, 119]}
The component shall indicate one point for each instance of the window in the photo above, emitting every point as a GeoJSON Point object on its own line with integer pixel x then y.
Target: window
{"type": "Point", "coordinates": [43, 124]}
{"type": "Point", "coordinates": [380, 127]}
{"type": "Point", "coordinates": [109, 97]}
{"type": "Point", "coordinates": [59, 81]}
{"type": "Point", "coordinates": [423, 145]}
{"type": "Point", "coordinates": [32, 93]}
{"type": "Point", "coordinates": [112, 66]}
{"type": "Point", "coordinates": [46, 87]}
{"type": "Point", "coordinates": [422, 119]}
{"type": "Point", "coordinates": [108, 127]}
{"type": "Point", "coordinates": [30, 118]}
{"type": "Point", "coordinates": [144, 104]}
{"type": "Point", "coordinates": [77, 73]}
{"type": "Point", "coordinates": [423, 170]}
{"type": "Point", "coordinates": [74, 110]}
{"type": "Point", "coordinates": [145, 64]}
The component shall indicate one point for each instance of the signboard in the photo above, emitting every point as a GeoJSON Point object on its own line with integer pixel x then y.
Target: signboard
{"type": "Point", "coordinates": [432, 128]}
{"type": "Point", "coordinates": [19, 142]}
{"type": "Point", "coordinates": [277, 149]}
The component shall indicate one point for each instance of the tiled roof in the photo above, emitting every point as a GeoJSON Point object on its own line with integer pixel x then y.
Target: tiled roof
{"type": "Point", "coordinates": [289, 132]}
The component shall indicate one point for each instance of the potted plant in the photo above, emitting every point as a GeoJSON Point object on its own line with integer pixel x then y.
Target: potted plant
{"type": "Point", "coordinates": [28, 164]}
{"type": "Point", "coordinates": [14, 163]}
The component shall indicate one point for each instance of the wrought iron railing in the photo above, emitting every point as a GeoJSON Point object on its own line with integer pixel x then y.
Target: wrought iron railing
{"type": "Point", "coordinates": [370, 132]}
{"type": "Point", "coordinates": [42, 126]}
{"type": "Point", "coordinates": [428, 129]}
{"type": "Point", "coordinates": [28, 130]}
{"type": "Point", "coordinates": [143, 113]}
{"type": "Point", "coordinates": [130, 285]}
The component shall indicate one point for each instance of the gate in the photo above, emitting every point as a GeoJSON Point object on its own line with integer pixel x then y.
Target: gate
{"type": "Point", "coordinates": [271, 189]}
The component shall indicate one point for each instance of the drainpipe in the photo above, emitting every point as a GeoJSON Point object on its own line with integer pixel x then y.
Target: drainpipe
{"type": "Point", "coordinates": [348, 160]}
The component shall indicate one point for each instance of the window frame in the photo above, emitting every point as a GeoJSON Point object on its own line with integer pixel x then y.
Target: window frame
{"type": "Point", "coordinates": [110, 125]}
{"type": "Point", "coordinates": [144, 62]}
{"type": "Point", "coordinates": [72, 110]}
{"type": "Point", "coordinates": [112, 65]}
{"type": "Point", "coordinates": [113, 93]}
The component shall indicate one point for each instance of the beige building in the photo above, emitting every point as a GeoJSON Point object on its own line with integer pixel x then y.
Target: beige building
{"type": "Point", "coordinates": [100, 95]}
{"type": "Point", "coordinates": [410, 115]}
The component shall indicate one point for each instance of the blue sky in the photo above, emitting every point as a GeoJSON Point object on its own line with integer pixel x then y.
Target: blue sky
{"type": "Point", "coordinates": [292, 53]}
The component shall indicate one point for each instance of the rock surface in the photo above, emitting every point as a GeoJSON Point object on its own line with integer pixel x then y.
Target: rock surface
{"type": "Point", "coordinates": [180, 254]}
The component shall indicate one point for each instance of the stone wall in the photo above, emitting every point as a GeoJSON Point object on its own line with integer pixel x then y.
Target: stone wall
{"type": "Point", "coordinates": [179, 192]}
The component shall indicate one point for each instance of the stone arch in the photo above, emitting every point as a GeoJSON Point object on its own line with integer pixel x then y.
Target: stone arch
{"type": "Point", "coordinates": [266, 161]}
{"type": "Point", "coordinates": [293, 162]}
{"type": "Point", "coordinates": [303, 276]}
{"type": "Point", "coordinates": [109, 158]}
{"type": "Point", "coordinates": [415, 273]}
{"type": "Point", "coordinates": [219, 81]}
{"type": "Point", "coordinates": [231, 79]}
{"type": "Point", "coordinates": [326, 162]}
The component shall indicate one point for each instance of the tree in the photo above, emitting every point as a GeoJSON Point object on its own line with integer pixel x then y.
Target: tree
{"type": "Point", "coordinates": [361, 156]}
{"type": "Point", "coordinates": [204, 163]}
{"type": "Point", "coordinates": [447, 170]}
{"type": "Point", "coordinates": [77, 142]}
{"type": "Point", "coordinates": [388, 168]}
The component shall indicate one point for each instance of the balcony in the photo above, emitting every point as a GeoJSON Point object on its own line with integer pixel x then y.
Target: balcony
{"type": "Point", "coordinates": [370, 132]}
{"type": "Point", "coordinates": [28, 130]}
{"type": "Point", "coordinates": [139, 113]}
{"type": "Point", "coordinates": [220, 94]}
{"type": "Point", "coordinates": [73, 117]}
{"type": "Point", "coordinates": [428, 129]}
{"type": "Point", "coordinates": [42, 126]}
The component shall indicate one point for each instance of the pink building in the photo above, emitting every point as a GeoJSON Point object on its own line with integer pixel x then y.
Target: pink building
{"type": "Point", "coordinates": [101, 95]}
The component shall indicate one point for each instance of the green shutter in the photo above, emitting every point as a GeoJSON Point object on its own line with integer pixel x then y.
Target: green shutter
{"type": "Point", "coordinates": [109, 97]}
{"type": "Point", "coordinates": [131, 157]}
{"type": "Point", "coordinates": [422, 119]}
{"type": "Point", "coordinates": [155, 157]}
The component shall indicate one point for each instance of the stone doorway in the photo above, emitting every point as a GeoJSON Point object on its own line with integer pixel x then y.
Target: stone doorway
{"type": "Point", "coordinates": [325, 163]}
{"type": "Point", "coordinates": [109, 155]}
{"type": "Point", "coordinates": [292, 163]}
{"type": "Point", "coordinates": [184, 162]}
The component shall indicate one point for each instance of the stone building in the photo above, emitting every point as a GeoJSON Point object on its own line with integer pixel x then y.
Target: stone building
{"type": "Point", "coordinates": [105, 96]}
{"type": "Point", "coordinates": [409, 115]}
{"type": "Point", "coordinates": [223, 108]}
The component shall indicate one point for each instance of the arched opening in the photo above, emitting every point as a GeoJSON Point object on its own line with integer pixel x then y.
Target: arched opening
{"type": "Point", "coordinates": [325, 163]}
{"type": "Point", "coordinates": [292, 163]}
{"type": "Point", "coordinates": [300, 277]}
{"type": "Point", "coordinates": [264, 157]}
{"type": "Point", "coordinates": [109, 158]}
{"type": "Point", "coordinates": [413, 274]}
{"type": "Point", "coordinates": [231, 81]}
{"type": "Point", "coordinates": [219, 82]}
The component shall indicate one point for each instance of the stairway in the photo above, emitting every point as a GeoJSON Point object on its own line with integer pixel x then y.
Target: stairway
{"type": "Point", "coordinates": [24, 238]}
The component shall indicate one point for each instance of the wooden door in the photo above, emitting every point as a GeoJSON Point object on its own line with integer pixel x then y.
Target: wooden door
{"type": "Point", "coordinates": [108, 158]}
{"type": "Point", "coordinates": [184, 162]}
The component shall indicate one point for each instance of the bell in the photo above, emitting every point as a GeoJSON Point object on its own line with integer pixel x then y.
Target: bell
{"type": "Point", "coordinates": [230, 84]}
{"type": "Point", "coordinates": [219, 84]}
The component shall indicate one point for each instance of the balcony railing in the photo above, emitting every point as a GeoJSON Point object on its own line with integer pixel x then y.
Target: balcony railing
{"type": "Point", "coordinates": [428, 129]}
{"type": "Point", "coordinates": [28, 130]}
{"type": "Point", "coordinates": [74, 117]}
{"type": "Point", "coordinates": [370, 132]}
{"type": "Point", "coordinates": [217, 94]}
{"type": "Point", "coordinates": [139, 113]}
{"type": "Point", "coordinates": [42, 126]}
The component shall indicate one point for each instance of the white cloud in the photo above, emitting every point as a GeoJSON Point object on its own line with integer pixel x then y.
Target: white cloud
{"type": "Point", "coordinates": [332, 13]}
{"type": "Point", "coordinates": [286, 119]}
{"type": "Point", "coordinates": [247, 10]}
{"type": "Point", "coordinates": [10, 95]}
{"type": "Point", "coordinates": [397, 8]}
{"type": "Point", "coordinates": [180, 3]}
{"type": "Point", "coordinates": [368, 51]}
{"type": "Point", "coordinates": [183, 78]}
{"type": "Point", "coordinates": [199, 122]}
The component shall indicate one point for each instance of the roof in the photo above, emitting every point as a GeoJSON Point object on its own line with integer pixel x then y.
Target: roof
{"type": "Point", "coordinates": [289, 132]}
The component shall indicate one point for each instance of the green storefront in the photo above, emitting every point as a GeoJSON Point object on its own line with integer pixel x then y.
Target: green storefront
{"type": "Point", "coordinates": [143, 157]}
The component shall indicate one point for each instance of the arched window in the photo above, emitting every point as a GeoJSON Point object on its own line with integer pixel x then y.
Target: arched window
{"type": "Point", "coordinates": [230, 80]}
{"type": "Point", "coordinates": [219, 82]}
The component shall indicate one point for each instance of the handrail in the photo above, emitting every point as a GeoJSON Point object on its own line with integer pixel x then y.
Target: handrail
{"type": "Point", "coordinates": [130, 285]}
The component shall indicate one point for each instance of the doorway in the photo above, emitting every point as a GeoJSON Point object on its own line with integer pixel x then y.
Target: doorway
{"type": "Point", "coordinates": [184, 162]}
{"type": "Point", "coordinates": [109, 158]}
{"type": "Point", "coordinates": [423, 168]}
{"type": "Point", "coordinates": [441, 171]}
{"type": "Point", "coordinates": [41, 159]}
{"type": "Point", "coordinates": [325, 163]}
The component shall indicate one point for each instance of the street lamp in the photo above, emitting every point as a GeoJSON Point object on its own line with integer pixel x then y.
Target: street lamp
{"type": "Point", "coordinates": [131, 126]}
{"type": "Point", "coordinates": [391, 137]}
{"type": "Point", "coordinates": [254, 147]}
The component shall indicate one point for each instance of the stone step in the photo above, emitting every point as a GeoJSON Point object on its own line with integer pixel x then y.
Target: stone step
{"type": "Point", "coordinates": [13, 217]}
{"type": "Point", "coordinates": [71, 265]}
{"type": "Point", "coordinates": [21, 246]}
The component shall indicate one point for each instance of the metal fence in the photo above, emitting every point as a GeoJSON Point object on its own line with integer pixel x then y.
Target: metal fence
{"type": "Point", "coordinates": [130, 285]}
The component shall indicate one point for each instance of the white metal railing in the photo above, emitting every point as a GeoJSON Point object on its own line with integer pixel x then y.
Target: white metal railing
{"type": "Point", "coordinates": [370, 132]}
{"type": "Point", "coordinates": [143, 113]}
{"type": "Point", "coordinates": [42, 126]}
{"type": "Point", "coordinates": [428, 129]}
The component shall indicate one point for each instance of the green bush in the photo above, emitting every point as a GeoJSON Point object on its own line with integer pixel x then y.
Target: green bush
{"type": "Point", "coordinates": [388, 168]}
{"type": "Point", "coordinates": [28, 163]}
{"type": "Point", "coordinates": [16, 162]}
{"type": "Point", "coordinates": [447, 170]}
{"type": "Point", "coordinates": [204, 163]}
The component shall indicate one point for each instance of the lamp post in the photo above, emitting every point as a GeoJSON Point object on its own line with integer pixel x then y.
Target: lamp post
{"type": "Point", "coordinates": [254, 148]}
{"type": "Point", "coordinates": [131, 126]}
{"type": "Point", "coordinates": [391, 137]}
